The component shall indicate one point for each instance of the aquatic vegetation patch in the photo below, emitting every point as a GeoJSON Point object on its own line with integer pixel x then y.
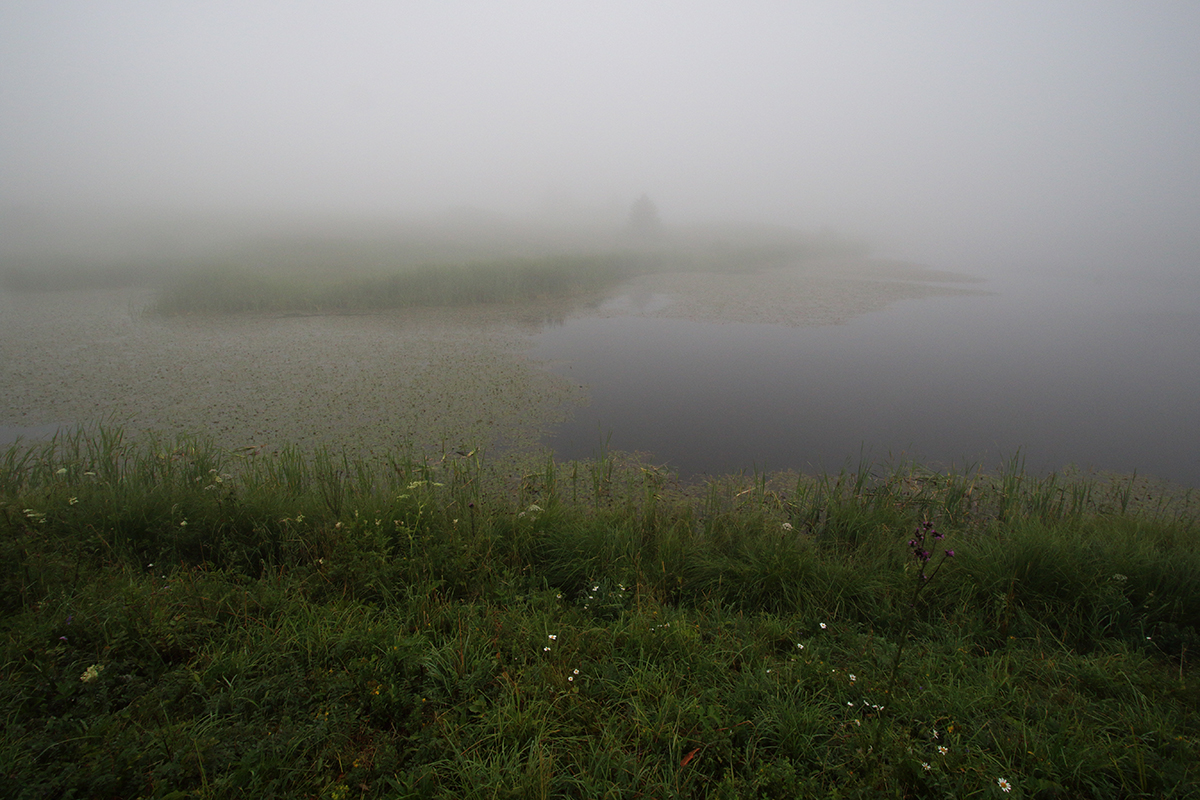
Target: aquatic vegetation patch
{"type": "Point", "coordinates": [431, 379]}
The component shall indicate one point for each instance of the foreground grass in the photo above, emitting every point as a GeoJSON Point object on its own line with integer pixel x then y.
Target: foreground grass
{"type": "Point", "coordinates": [184, 622]}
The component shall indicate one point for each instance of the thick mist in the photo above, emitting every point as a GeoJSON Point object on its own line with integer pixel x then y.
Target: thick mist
{"type": "Point", "coordinates": [1000, 137]}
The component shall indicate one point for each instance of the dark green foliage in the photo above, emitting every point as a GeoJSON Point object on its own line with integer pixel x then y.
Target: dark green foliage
{"type": "Point", "coordinates": [323, 627]}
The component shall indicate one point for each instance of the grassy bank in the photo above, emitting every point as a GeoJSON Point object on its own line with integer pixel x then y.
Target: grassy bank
{"type": "Point", "coordinates": [185, 622]}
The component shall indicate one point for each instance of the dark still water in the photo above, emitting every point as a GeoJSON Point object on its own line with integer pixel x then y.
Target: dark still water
{"type": "Point", "coordinates": [1095, 373]}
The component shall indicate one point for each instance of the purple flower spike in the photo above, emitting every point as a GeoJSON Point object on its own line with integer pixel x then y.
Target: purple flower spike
{"type": "Point", "coordinates": [949, 554]}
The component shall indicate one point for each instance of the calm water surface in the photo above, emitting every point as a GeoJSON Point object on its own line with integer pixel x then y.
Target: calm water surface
{"type": "Point", "coordinates": [1096, 373]}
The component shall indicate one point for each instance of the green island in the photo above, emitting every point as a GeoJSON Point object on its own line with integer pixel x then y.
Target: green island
{"type": "Point", "coordinates": [185, 620]}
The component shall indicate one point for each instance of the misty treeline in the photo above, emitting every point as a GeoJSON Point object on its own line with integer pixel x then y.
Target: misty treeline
{"type": "Point", "coordinates": [468, 257]}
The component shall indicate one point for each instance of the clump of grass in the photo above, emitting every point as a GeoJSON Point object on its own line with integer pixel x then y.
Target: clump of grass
{"type": "Point", "coordinates": [329, 627]}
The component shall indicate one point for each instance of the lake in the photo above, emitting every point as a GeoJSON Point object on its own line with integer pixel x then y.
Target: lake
{"type": "Point", "coordinates": [708, 373]}
{"type": "Point", "coordinates": [1097, 373]}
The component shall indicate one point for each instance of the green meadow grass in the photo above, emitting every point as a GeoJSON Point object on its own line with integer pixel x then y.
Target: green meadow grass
{"type": "Point", "coordinates": [180, 621]}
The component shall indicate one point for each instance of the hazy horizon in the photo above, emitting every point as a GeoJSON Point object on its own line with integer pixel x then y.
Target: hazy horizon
{"type": "Point", "coordinates": [1015, 135]}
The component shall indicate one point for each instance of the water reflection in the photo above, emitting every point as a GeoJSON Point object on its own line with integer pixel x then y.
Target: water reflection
{"type": "Point", "coordinates": [1094, 373]}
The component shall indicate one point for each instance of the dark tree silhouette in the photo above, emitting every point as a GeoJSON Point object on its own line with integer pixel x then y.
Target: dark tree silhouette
{"type": "Point", "coordinates": [643, 218]}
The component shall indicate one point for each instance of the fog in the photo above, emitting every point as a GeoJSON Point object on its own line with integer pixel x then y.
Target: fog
{"type": "Point", "coordinates": [995, 137]}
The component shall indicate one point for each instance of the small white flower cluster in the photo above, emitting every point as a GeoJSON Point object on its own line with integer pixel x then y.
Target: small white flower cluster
{"type": "Point", "coordinates": [865, 704]}
{"type": "Point", "coordinates": [91, 673]}
{"type": "Point", "coordinates": [217, 479]}
{"type": "Point", "coordinates": [532, 511]}
{"type": "Point", "coordinates": [552, 637]}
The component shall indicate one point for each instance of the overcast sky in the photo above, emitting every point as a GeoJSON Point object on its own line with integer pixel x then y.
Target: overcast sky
{"type": "Point", "coordinates": [1065, 130]}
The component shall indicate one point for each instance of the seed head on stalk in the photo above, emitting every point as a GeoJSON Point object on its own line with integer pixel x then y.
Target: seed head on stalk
{"type": "Point", "coordinates": [926, 536]}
